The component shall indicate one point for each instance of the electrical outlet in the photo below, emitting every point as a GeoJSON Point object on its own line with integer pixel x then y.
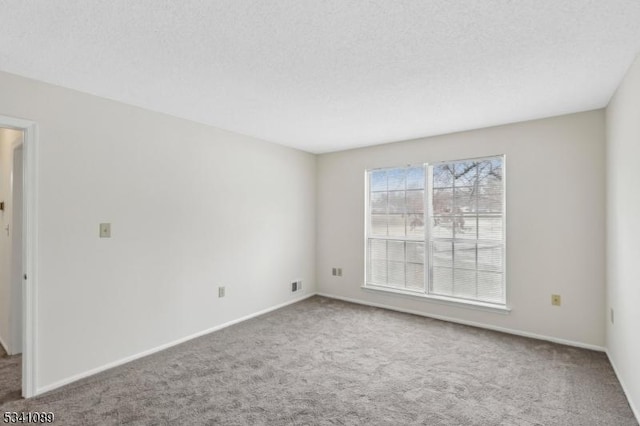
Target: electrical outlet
{"type": "Point", "coordinates": [556, 300]}
{"type": "Point", "coordinates": [296, 286]}
{"type": "Point", "coordinates": [105, 230]}
{"type": "Point", "coordinates": [221, 291]}
{"type": "Point", "coordinates": [339, 272]}
{"type": "Point", "coordinates": [612, 318]}
{"type": "Point", "coordinates": [334, 271]}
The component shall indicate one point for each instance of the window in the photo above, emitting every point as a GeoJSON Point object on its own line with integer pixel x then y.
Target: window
{"type": "Point", "coordinates": [438, 230]}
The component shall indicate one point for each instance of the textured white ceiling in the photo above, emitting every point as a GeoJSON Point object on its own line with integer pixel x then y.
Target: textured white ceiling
{"type": "Point", "coordinates": [326, 75]}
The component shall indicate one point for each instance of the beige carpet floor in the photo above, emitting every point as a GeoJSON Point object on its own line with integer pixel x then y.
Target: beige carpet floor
{"type": "Point", "coordinates": [10, 377]}
{"type": "Point", "coordinates": [324, 362]}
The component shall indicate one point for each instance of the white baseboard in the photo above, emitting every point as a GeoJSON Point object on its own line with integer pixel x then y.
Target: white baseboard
{"type": "Point", "coordinates": [4, 345]}
{"type": "Point", "coordinates": [471, 323]}
{"type": "Point", "coordinates": [634, 409]}
{"type": "Point", "coordinates": [142, 354]}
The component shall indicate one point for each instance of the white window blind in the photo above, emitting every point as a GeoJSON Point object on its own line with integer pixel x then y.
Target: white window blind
{"type": "Point", "coordinates": [396, 228]}
{"type": "Point", "coordinates": [459, 254]}
{"type": "Point", "coordinates": [466, 236]}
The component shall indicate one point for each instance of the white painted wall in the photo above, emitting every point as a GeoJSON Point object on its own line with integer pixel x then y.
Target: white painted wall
{"type": "Point", "coordinates": [192, 207]}
{"type": "Point", "coordinates": [555, 226]}
{"type": "Point", "coordinates": [623, 233]}
{"type": "Point", "coordinates": [8, 298]}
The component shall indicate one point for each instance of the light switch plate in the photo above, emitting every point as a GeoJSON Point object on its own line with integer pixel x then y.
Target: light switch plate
{"type": "Point", "coordinates": [105, 230]}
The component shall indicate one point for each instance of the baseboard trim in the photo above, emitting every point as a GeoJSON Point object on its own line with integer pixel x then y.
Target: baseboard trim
{"type": "Point", "coordinates": [76, 377]}
{"type": "Point", "coordinates": [634, 409]}
{"type": "Point", "coordinates": [471, 323]}
{"type": "Point", "coordinates": [4, 345]}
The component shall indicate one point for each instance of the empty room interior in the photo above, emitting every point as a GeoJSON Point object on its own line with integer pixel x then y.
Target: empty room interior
{"type": "Point", "coordinates": [336, 212]}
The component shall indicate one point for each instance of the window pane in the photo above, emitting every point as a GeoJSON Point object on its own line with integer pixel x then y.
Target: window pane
{"type": "Point", "coordinates": [378, 249]}
{"type": "Point", "coordinates": [415, 201]}
{"type": "Point", "coordinates": [396, 208]}
{"type": "Point", "coordinates": [396, 202]}
{"type": "Point", "coordinates": [415, 224]}
{"type": "Point", "coordinates": [396, 225]}
{"type": "Point", "coordinates": [465, 173]}
{"type": "Point", "coordinates": [442, 253]}
{"type": "Point", "coordinates": [396, 274]}
{"type": "Point", "coordinates": [415, 213]}
{"type": "Point", "coordinates": [378, 180]}
{"type": "Point", "coordinates": [467, 199]}
{"type": "Point", "coordinates": [395, 250]}
{"type": "Point", "coordinates": [464, 227]}
{"type": "Point", "coordinates": [378, 272]}
{"type": "Point", "coordinates": [415, 276]}
{"type": "Point", "coordinates": [490, 171]}
{"type": "Point", "coordinates": [415, 252]}
{"type": "Point", "coordinates": [378, 202]}
{"type": "Point", "coordinates": [442, 281]}
{"type": "Point", "coordinates": [396, 179]}
{"type": "Point", "coordinates": [442, 227]}
{"type": "Point", "coordinates": [442, 200]}
{"type": "Point", "coordinates": [490, 287]}
{"type": "Point", "coordinates": [442, 176]}
{"type": "Point", "coordinates": [379, 224]}
{"type": "Point", "coordinates": [377, 263]}
{"type": "Point", "coordinates": [490, 194]}
{"type": "Point", "coordinates": [415, 178]}
{"type": "Point", "coordinates": [464, 255]}
{"type": "Point", "coordinates": [464, 200]}
{"type": "Point", "coordinates": [490, 228]}
{"type": "Point", "coordinates": [490, 199]}
{"type": "Point", "coordinates": [490, 257]}
{"type": "Point", "coordinates": [464, 283]}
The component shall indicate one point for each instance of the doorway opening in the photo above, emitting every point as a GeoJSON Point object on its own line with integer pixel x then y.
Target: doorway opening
{"type": "Point", "coordinates": [18, 296]}
{"type": "Point", "coordinates": [11, 191]}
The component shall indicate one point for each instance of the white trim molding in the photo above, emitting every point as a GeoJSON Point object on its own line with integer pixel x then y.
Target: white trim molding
{"type": "Point", "coordinates": [635, 410]}
{"type": "Point", "coordinates": [29, 251]}
{"type": "Point", "coordinates": [4, 346]}
{"type": "Point", "coordinates": [467, 304]}
{"type": "Point", "coordinates": [470, 323]}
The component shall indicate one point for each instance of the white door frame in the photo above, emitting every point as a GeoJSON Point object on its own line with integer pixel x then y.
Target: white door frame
{"type": "Point", "coordinates": [29, 251]}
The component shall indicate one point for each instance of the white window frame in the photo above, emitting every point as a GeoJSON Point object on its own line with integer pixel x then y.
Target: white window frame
{"type": "Point", "coordinates": [425, 293]}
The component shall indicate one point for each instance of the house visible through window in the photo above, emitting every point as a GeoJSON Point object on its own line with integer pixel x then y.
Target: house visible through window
{"type": "Point", "coordinates": [438, 230]}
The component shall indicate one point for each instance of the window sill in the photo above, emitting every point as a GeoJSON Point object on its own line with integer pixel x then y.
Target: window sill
{"type": "Point", "coordinates": [478, 306]}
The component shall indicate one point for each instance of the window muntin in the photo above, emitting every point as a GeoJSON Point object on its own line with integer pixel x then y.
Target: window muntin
{"type": "Point", "coordinates": [464, 237]}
